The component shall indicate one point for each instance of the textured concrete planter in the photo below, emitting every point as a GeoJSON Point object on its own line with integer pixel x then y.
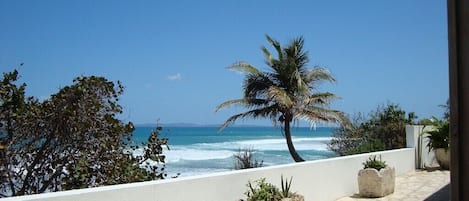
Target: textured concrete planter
{"type": "Point", "coordinates": [373, 183]}
{"type": "Point", "coordinates": [443, 157]}
{"type": "Point", "coordinates": [295, 197]}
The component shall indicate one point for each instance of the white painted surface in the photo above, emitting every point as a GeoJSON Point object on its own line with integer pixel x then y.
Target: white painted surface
{"type": "Point", "coordinates": [416, 137]}
{"type": "Point", "coordinates": [320, 180]}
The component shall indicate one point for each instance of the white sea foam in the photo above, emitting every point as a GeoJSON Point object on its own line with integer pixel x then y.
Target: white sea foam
{"type": "Point", "coordinates": [221, 150]}
{"type": "Point", "coordinates": [277, 144]}
{"type": "Point", "coordinates": [180, 153]}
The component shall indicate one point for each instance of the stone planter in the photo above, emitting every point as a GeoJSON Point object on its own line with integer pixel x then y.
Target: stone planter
{"type": "Point", "coordinates": [373, 183]}
{"type": "Point", "coordinates": [443, 156]}
{"type": "Point", "coordinates": [295, 197]}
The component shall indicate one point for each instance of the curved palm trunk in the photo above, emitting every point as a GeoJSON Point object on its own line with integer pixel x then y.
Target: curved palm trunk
{"type": "Point", "coordinates": [291, 148]}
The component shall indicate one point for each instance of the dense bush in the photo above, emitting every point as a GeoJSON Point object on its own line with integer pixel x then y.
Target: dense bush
{"type": "Point", "coordinates": [70, 140]}
{"type": "Point", "coordinates": [384, 129]}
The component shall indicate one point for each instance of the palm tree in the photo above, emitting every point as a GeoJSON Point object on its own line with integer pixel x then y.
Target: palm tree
{"type": "Point", "coordinates": [286, 93]}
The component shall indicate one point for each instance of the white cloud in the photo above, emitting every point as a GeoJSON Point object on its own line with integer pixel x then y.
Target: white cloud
{"type": "Point", "coordinates": [177, 76]}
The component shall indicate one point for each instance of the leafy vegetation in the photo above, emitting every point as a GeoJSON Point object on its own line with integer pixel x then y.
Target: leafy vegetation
{"type": "Point", "coordinates": [439, 137]}
{"type": "Point", "coordinates": [286, 185]}
{"type": "Point", "coordinates": [374, 163]}
{"type": "Point", "coordinates": [263, 191]}
{"type": "Point", "coordinates": [383, 130]}
{"type": "Point", "coordinates": [286, 93]}
{"type": "Point", "coordinates": [70, 140]}
{"type": "Point", "coordinates": [245, 159]}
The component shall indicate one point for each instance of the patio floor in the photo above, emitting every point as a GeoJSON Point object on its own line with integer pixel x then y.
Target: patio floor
{"type": "Point", "coordinates": [429, 185]}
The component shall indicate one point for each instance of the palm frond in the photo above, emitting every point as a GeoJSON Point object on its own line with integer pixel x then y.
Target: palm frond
{"type": "Point", "coordinates": [256, 85]}
{"type": "Point", "coordinates": [280, 96]}
{"type": "Point", "coordinates": [269, 59]}
{"type": "Point", "coordinates": [248, 103]}
{"type": "Point", "coordinates": [318, 74]}
{"type": "Point", "coordinates": [270, 112]}
{"type": "Point", "coordinates": [321, 114]}
{"type": "Point", "coordinates": [276, 45]}
{"type": "Point", "coordinates": [295, 53]}
{"type": "Point", "coordinates": [244, 68]}
{"type": "Point", "coordinates": [257, 102]}
{"type": "Point", "coordinates": [301, 85]}
{"type": "Point", "coordinates": [230, 103]}
{"type": "Point", "coordinates": [320, 98]}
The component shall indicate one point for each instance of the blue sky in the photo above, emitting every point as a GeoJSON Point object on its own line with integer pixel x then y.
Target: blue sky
{"type": "Point", "coordinates": [171, 55]}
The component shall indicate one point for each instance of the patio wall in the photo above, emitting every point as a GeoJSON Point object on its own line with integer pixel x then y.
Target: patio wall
{"type": "Point", "coordinates": [324, 180]}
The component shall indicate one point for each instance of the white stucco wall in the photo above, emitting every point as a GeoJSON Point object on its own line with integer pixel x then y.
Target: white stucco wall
{"type": "Point", "coordinates": [321, 180]}
{"type": "Point", "coordinates": [416, 137]}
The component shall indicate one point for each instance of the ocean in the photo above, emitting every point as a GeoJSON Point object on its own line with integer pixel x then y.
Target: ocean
{"type": "Point", "coordinates": [202, 150]}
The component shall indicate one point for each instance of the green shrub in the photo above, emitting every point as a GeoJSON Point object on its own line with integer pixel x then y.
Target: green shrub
{"type": "Point", "coordinates": [245, 159]}
{"type": "Point", "coordinates": [372, 162]}
{"type": "Point", "coordinates": [439, 137]}
{"type": "Point", "coordinates": [262, 191]}
{"type": "Point", "coordinates": [73, 139]}
{"type": "Point", "coordinates": [382, 129]}
{"type": "Point", "coordinates": [367, 146]}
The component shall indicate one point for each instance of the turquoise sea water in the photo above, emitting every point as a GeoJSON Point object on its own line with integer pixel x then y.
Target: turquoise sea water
{"type": "Point", "coordinates": [201, 150]}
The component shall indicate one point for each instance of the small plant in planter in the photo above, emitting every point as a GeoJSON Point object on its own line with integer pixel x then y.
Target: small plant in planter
{"type": "Point", "coordinates": [372, 162]}
{"type": "Point", "coordinates": [376, 179]}
{"type": "Point", "coordinates": [262, 191]}
{"type": "Point", "coordinates": [438, 140]}
{"type": "Point", "coordinates": [285, 193]}
{"type": "Point", "coordinates": [286, 185]}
